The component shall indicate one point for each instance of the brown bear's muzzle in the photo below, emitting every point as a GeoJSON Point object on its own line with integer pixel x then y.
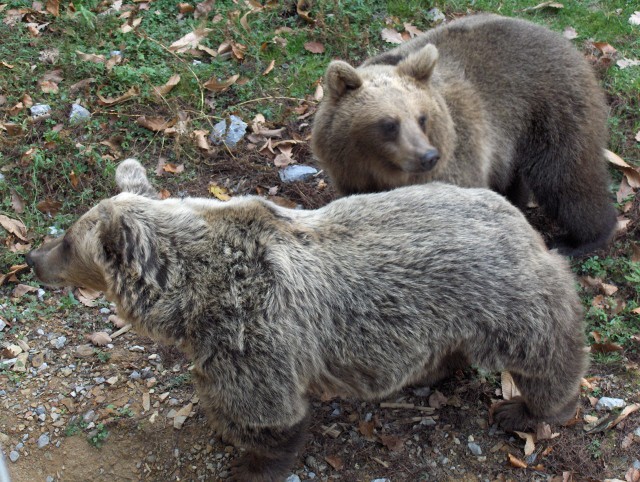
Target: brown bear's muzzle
{"type": "Point", "coordinates": [47, 263]}
{"type": "Point", "coordinates": [429, 159]}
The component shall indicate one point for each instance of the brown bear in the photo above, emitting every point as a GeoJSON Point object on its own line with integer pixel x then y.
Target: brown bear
{"type": "Point", "coordinates": [359, 298]}
{"type": "Point", "coordinates": [484, 101]}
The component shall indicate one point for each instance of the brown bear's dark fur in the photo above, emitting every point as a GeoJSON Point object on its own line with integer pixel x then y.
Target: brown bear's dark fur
{"type": "Point", "coordinates": [484, 101]}
{"type": "Point", "coordinates": [360, 298]}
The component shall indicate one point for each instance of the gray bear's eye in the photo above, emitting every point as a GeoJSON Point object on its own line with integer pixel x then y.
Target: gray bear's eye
{"type": "Point", "coordinates": [422, 120]}
{"type": "Point", "coordinates": [390, 128]}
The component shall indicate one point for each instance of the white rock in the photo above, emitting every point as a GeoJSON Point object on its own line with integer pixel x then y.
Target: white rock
{"type": "Point", "coordinates": [38, 110]}
{"type": "Point", "coordinates": [608, 403]}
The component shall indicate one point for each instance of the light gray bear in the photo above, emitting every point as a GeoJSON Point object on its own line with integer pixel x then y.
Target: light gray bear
{"type": "Point", "coordinates": [483, 101]}
{"type": "Point", "coordinates": [357, 299]}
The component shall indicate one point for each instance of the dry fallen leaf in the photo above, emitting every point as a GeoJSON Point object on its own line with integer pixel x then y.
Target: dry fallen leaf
{"type": "Point", "coordinates": [303, 8]}
{"type": "Point", "coordinates": [87, 296]}
{"type": "Point", "coordinates": [605, 48]}
{"type": "Point", "coordinates": [336, 462]}
{"type": "Point", "coordinates": [97, 59]}
{"type": "Point", "coordinates": [49, 206]}
{"type": "Point", "coordinates": [391, 36]}
{"type": "Point", "coordinates": [184, 8]}
{"type": "Point", "coordinates": [156, 124]}
{"type": "Point", "coordinates": [189, 41]}
{"type": "Point", "coordinates": [366, 429]}
{"type": "Point", "coordinates": [570, 33]}
{"type": "Point", "coordinates": [413, 30]}
{"type": "Point", "coordinates": [17, 203]}
{"type": "Point", "coordinates": [392, 442]}
{"type": "Point", "coordinates": [21, 290]}
{"type": "Point", "coordinates": [516, 462]}
{"type": "Point", "coordinates": [269, 67]}
{"type": "Point", "coordinates": [215, 85]}
{"type": "Point", "coordinates": [202, 139]}
{"type": "Point", "coordinates": [530, 442]}
{"type": "Point", "coordinates": [128, 95]}
{"type": "Point", "coordinates": [14, 226]}
{"type": "Point", "coordinates": [99, 338]}
{"type": "Point", "coordinates": [314, 47]}
{"type": "Point", "coordinates": [163, 90]}
{"type": "Point", "coordinates": [117, 321]}
{"type": "Point", "coordinates": [544, 5]}
{"type": "Point", "coordinates": [53, 7]}
{"type": "Point", "coordinates": [509, 389]}
{"type": "Point", "coordinates": [634, 19]}
{"type": "Point", "coordinates": [219, 192]}
{"type": "Point", "coordinates": [173, 168]}
{"type": "Point", "coordinates": [632, 174]}
{"type": "Point", "coordinates": [437, 399]}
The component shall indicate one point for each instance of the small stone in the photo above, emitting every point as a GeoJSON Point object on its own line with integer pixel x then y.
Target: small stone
{"type": "Point", "coordinates": [66, 371]}
{"type": "Point", "coordinates": [84, 351]}
{"type": "Point", "coordinates": [292, 478]}
{"type": "Point", "coordinates": [230, 135]}
{"type": "Point", "coordinates": [422, 392]}
{"type": "Point", "coordinates": [49, 479]}
{"type": "Point", "coordinates": [474, 448]}
{"type": "Point", "coordinates": [3, 324]}
{"type": "Point", "coordinates": [19, 446]}
{"type": "Point", "coordinates": [105, 311]}
{"type": "Point", "coordinates": [20, 364]}
{"type": "Point", "coordinates": [381, 480]}
{"type": "Point", "coordinates": [4, 439]}
{"type": "Point", "coordinates": [182, 415]}
{"type": "Point", "coordinates": [90, 416]}
{"type": "Point", "coordinates": [13, 456]}
{"type": "Point", "coordinates": [78, 114]}
{"type": "Point", "coordinates": [23, 344]}
{"type": "Point", "coordinates": [146, 401]}
{"type": "Point", "coordinates": [41, 410]}
{"type": "Point", "coordinates": [59, 342]}
{"type": "Point", "coordinates": [153, 417]}
{"type": "Point", "coordinates": [112, 380]}
{"type": "Point", "coordinates": [136, 348]}
{"type": "Point", "coordinates": [38, 110]}
{"type": "Point", "coordinates": [296, 172]}
{"type": "Point", "coordinates": [135, 375]}
{"type": "Point", "coordinates": [636, 432]}
{"type": "Point", "coordinates": [608, 403]}
{"type": "Point", "coordinates": [100, 380]}
{"type": "Point", "coordinates": [43, 440]}
{"type": "Point", "coordinates": [636, 464]}
{"type": "Point", "coordinates": [37, 360]}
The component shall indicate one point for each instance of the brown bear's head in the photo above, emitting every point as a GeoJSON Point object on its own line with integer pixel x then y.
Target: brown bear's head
{"type": "Point", "coordinates": [106, 232]}
{"type": "Point", "coordinates": [381, 125]}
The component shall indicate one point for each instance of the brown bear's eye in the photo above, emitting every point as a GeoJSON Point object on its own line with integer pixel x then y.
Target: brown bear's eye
{"type": "Point", "coordinates": [422, 120]}
{"type": "Point", "coordinates": [390, 128]}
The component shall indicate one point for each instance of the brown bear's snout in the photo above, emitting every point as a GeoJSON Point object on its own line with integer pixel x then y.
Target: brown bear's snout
{"type": "Point", "coordinates": [429, 159]}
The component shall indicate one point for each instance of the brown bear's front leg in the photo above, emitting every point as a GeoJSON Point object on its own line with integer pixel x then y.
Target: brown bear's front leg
{"type": "Point", "coordinates": [270, 454]}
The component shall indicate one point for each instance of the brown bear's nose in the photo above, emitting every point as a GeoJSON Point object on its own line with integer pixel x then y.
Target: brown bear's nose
{"type": "Point", "coordinates": [429, 159]}
{"type": "Point", "coordinates": [29, 259]}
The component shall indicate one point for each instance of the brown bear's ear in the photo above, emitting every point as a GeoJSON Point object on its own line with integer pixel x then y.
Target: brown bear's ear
{"type": "Point", "coordinates": [420, 64]}
{"type": "Point", "coordinates": [340, 78]}
{"type": "Point", "coordinates": [111, 231]}
{"type": "Point", "coordinates": [131, 177]}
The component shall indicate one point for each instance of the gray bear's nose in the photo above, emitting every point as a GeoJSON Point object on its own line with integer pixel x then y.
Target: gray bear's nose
{"type": "Point", "coordinates": [429, 159]}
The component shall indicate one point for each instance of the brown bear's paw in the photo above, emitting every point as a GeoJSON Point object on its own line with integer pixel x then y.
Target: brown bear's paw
{"type": "Point", "coordinates": [512, 415]}
{"type": "Point", "coordinates": [254, 467]}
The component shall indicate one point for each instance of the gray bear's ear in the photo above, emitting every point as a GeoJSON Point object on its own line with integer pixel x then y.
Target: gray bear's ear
{"type": "Point", "coordinates": [340, 78]}
{"type": "Point", "coordinates": [131, 177]}
{"type": "Point", "coordinates": [420, 64]}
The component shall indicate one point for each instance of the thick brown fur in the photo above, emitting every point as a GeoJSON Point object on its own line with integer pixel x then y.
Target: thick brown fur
{"type": "Point", "coordinates": [358, 299]}
{"type": "Point", "coordinates": [484, 101]}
